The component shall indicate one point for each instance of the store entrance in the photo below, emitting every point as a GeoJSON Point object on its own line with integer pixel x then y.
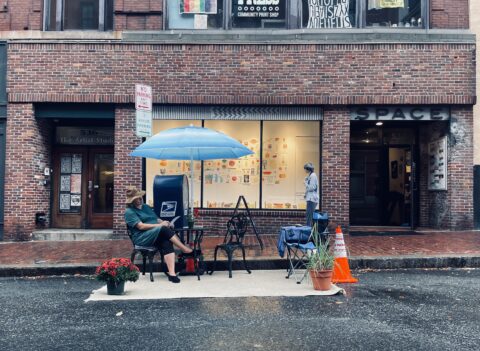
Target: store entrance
{"type": "Point", "coordinates": [83, 187]}
{"type": "Point", "coordinates": [382, 176]}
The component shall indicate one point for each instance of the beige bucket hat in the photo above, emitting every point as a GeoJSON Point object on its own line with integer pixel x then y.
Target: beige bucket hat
{"type": "Point", "coordinates": [133, 193]}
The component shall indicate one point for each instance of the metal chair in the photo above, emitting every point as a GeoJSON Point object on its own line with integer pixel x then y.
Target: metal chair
{"type": "Point", "coordinates": [146, 252]}
{"type": "Point", "coordinates": [237, 226]}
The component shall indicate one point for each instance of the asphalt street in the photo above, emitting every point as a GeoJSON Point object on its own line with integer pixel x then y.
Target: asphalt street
{"type": "Point", "coordinates": [387, 310]}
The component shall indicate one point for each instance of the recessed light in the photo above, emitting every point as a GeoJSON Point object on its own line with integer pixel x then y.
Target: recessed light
{"type": "Point", "coordinates": [379, 123]}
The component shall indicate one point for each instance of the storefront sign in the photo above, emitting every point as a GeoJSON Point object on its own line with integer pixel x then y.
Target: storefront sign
{"type": "Point", "coordinates": [437, 164]}
{"type": "Point", "coordinates": [268, 9]}
{"type": "Point", "coordinates": [328, 14]}
{"type": "Point", "coordinates": [400, 113]}
{"type": "Point", "coordinates": [84, 136]}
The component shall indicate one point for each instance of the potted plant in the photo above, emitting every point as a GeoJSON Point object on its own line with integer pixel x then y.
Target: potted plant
{"type": "Point", "coordinates": [116, 272]}
{"type": "Point", "coordinates": [191, 217]}
{"type": "Point", "coordinates": [320, 262]}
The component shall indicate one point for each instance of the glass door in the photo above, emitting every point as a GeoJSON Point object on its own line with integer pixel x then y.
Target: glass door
{"type": "Point", "coordinates": [100, 188]}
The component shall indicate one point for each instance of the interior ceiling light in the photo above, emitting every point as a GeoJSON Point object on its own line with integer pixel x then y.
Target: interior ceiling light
{"type": "Point", "coordinates": [379, 123]}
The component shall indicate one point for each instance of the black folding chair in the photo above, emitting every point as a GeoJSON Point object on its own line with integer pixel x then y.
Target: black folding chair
{"type": "Point", "coordinates": [146, 252]}
{"type": "Point", "coordinates": [237, 226]}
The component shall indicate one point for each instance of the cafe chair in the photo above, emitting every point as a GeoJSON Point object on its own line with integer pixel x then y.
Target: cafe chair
{"type": "Point", "coordinates": [146, 252]}
{"type": "Point", "coordinates": [237, 226]}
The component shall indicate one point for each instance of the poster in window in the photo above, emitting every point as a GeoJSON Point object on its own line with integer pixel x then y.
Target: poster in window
{"type": "Point", "coordinates": [64, 202]}
{"type": "Point", "coordinates": [65, 183]}
{"type": "Point", "coordinates": [437, 164]}
{"type": "Point", "coordinates": [198, 6]}
{"type": "Point", "coordinates": [329, 14]}
{"type": "Point", "coordinates": [263, 9]}
{"type": "Point", "coordinates": [76, 184]}
{"type": "Point", "coordinates": [76, 201]}
{"type": "Point", "coordinates": [76, 163]}
{"type": "Point", "coordinates": [390, 4]}
{"type": "Point", "coordinates": [66, 164]}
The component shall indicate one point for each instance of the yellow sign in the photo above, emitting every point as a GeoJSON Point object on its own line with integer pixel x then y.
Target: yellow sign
{"type": "Point", "coordinates": [392, 3]}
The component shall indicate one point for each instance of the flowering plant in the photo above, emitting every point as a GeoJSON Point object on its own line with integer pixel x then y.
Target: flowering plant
{"type": "Point", "coordinates": [117, 270]}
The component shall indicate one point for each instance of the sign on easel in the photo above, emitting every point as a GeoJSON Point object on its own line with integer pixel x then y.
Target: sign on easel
{"type": "Point", "coordinates": [241, 198]}
{"type": "Point", "coordinates": [143, 110]}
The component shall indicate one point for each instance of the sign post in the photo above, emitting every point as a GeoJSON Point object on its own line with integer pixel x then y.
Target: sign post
{"type": "Point", "coordinates": [143, 109]}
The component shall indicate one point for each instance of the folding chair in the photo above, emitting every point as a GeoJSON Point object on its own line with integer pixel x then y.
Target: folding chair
{"type": "Point", "coordinates": [299, 244]}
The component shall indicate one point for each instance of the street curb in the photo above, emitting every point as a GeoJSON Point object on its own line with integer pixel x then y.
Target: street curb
{"type": "Point", "coordinates": [391, 262]}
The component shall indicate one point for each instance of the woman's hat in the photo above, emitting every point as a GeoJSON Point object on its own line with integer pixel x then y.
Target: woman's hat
{"type": "Point", "coordinates": [309, 166]}
{"type": "Point", "coordinates": [133, 193]}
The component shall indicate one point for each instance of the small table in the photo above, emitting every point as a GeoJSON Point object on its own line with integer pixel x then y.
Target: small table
{"type": "Point", "coordinates": [186, 235]}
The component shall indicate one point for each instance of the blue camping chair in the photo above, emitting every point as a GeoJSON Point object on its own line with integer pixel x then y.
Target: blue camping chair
{"type": "Point", "coordinates": [298, 243]}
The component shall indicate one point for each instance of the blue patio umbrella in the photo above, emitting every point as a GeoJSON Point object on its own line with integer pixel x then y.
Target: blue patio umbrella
{"type": "Point", "coordinates": [191, 143]}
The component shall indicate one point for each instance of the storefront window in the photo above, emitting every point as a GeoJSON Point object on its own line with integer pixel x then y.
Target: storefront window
{"type": "Point", "coordinates": [394, 13]}
{"type": "Point", "coordinates": [172, 167]}
{"type": "Point", "coordinates": [331, 14]}
{"type": "Point", "coordinates": [195, 14]}
{"type": "Point", "coordinates": [225, 180]}
{"type": "Point", "coordinates": [287, 146]}
{"type": "Point", "coordinates": [78, 15]}
{"type": "Point", "coordinates": [259, 13]}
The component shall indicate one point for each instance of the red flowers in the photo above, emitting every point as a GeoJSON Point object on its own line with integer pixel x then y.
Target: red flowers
{"type": "Point", "coordinates": [195, 212]}
{"type": "Point", "coordinates": [117, 270]}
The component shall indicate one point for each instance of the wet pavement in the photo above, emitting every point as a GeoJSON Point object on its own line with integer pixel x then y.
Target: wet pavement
{"type": "Point", "coordinates": [418, 244]}
{"type": "Point", "coordinates": [387, 310]}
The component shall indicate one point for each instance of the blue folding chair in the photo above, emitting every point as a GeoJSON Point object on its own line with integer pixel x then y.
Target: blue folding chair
{"type": "Point", "coordinates": [298, 242]}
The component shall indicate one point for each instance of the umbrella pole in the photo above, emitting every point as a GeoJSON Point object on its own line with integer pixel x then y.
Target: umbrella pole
{"type": "Point", "coordinates": [191, 178]}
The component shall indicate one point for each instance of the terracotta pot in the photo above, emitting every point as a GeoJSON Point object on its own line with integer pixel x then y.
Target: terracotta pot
{"type": "Point", "coordinates": [322, 280]}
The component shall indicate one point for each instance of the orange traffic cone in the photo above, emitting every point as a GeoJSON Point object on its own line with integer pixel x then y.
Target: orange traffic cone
{"type": "Point", "coordinates": [341, 269]}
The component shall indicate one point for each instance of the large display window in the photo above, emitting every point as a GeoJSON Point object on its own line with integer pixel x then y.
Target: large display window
{"type": "Point", "coordinates": [271, 178]}
{"type": "Point", "coordinates": [172, 167]}
{"type": "Point", "coordinates": [287, 146]}
{"type": "Point", "coordinates": [225, 180]}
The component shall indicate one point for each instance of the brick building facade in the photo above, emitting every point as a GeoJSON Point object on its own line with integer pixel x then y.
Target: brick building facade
{"type": "Point", "coordinates": [419, 83]}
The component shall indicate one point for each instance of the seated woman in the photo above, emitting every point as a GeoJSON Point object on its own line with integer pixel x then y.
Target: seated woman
{"type": "Point", "coordinates": [148, 230]}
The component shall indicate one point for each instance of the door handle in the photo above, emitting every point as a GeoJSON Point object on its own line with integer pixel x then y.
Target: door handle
{"type": "Point", "coordinates": [90, 185]}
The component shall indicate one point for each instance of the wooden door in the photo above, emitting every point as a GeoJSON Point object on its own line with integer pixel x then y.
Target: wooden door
{"type": "Point", "coordinates": [100, 188]}
{"type": "Point", "coordinates": [69, 188]}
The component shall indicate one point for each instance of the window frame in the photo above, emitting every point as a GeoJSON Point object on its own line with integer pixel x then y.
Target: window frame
{"type": "Point", "coordinates": [294, 18]}
{"type": "Point", "coordinates": [60, 17]}
{"type": "Point", "coordinates": [260, 184]}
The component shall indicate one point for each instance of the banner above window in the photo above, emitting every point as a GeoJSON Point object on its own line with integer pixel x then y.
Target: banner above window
{"type": "Point", "coordinates": [245, 113]}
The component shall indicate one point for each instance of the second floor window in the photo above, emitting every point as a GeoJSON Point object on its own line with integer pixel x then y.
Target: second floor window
{"type": "Point", "coordinates": [78, 15]}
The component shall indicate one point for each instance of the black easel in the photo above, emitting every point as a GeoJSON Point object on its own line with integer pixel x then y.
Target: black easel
{"type": "Point", "coordinates": [241, 198]}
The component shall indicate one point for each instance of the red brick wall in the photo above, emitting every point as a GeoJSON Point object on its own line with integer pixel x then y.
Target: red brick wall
{"type": "Point", "coordinates": [451, 209]}
{"type": "Point", "coordinates": [27, 154]}
{"type": "Point", "coordinates": [449, 14]}
{"type": "Point", "coordinates": [127, 15]}
{"type": "Point", "coordinates": [239, 74]}
{"type": "Point", "coordinates": [460, 168]}
{"type": "Point", "coordinates": [335, 195]}
{"type": "Point", "coordinates": [21, 15]}
{"type": "Point", "coordinates": [128, 169]}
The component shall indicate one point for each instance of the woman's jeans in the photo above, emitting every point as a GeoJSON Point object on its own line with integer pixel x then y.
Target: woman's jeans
{"type": "Point", "coordinates": [311, 206]}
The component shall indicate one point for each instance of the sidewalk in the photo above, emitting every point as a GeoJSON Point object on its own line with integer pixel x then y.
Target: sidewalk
{"type": "Point", "coordinates": [414, 250]}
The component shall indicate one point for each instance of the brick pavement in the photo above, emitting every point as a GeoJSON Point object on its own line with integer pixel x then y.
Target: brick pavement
{"type": "Point", "coordinates": [28, 254]}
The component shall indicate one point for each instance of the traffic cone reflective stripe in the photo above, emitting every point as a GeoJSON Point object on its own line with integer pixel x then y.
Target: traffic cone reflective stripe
{"type": "Point", "coordinates": [341, 268]}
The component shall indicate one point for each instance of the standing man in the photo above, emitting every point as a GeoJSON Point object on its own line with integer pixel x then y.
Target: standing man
{"type": "Point", "coordinates": [311, 191]}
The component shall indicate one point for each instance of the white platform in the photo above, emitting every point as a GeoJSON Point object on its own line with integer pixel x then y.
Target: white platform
{"type": "Point", "coordinates": [259, 283]}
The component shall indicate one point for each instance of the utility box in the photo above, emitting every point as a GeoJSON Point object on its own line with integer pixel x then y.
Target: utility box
{"type": "Point", "coordinates": [170, 198]}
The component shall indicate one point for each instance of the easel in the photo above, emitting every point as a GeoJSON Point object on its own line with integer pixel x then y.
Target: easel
{"type": "Point", "coordinates": [237, 208]}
